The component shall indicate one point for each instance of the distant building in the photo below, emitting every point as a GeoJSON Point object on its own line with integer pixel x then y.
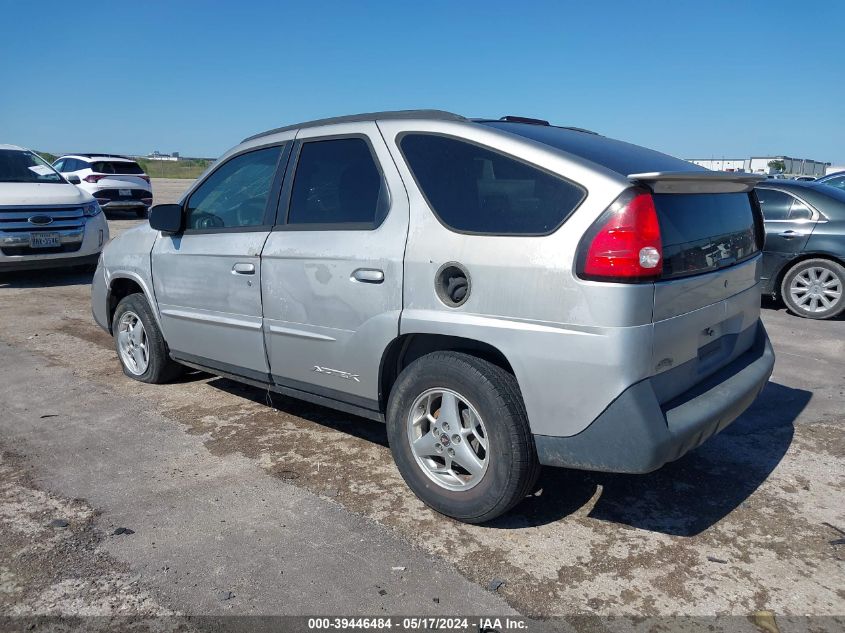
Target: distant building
{"type": "Point", "coordinates": [720, 164]}
{"type": "Point", "coordinates": [156, 155]}
{"type": "Point", "coordinates": [760, 165]}
{"type": "Point", "coordinates": [794, 166]}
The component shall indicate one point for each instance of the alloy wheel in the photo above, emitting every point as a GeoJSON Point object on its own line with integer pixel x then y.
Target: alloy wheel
{"type": "Point", "coordinates": [132, 343]}
{"type": "Point", "coordinates": [448, 439]}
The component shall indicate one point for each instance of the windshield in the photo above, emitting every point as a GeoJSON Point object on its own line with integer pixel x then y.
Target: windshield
{"type": "Point", "coordinates": [18, 165]}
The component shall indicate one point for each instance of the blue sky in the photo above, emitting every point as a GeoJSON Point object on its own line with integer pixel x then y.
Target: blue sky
{"type": "Point", "coordinates": [694, 79]}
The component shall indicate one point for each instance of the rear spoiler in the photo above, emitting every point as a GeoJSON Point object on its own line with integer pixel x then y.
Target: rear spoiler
{"type": "Point", "coordinates": [694, 181]}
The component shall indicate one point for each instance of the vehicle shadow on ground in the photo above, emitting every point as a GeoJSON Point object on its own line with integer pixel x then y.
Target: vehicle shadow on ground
{"type": "Point", "coordinates": [46, 278]}
{"type": "Point", "coordinates": [685, 497]}
{"type": "Point", "coordinates": [359, 427]}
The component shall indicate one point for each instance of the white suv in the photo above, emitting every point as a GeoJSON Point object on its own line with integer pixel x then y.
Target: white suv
{"type": "Point", "coordinates": [117, 182]}
{"type": "Point", "coordinates": [45, 222]}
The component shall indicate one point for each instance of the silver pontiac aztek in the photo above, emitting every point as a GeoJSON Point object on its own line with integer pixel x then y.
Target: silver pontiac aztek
{"type": "Point", "coordinates": [502, 293]}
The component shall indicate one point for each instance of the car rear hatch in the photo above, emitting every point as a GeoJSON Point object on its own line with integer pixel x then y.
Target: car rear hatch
{"type": "Point", "coordinates": [127, 181]}
{"type": "Point", "coordinates": [119, 174]}
{"type": "Point", "coordinates": [706, 301]}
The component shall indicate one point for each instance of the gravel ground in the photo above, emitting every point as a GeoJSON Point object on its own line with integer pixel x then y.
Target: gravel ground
{"type": "Point", "coordinates": [745, 524]}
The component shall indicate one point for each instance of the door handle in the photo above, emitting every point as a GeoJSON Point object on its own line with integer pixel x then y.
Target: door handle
{"type": "Point", "coordinates": [789, 234]}
{"type": "Point", "coordinates": [368, 275]}
{"type": "Point", "coordinates": [243, 268]}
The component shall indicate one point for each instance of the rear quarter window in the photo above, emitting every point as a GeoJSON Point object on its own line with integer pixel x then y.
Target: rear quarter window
{"type": "Point", "coordinates": [474, 189]}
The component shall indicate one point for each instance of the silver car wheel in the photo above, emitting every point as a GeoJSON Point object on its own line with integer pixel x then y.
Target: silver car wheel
{"type": "Point", "coordinates": [816, 289]}
{"type": "Point", "coordinates": [132, 343]}
{"type": "Point", "coordinates": [448, 439]}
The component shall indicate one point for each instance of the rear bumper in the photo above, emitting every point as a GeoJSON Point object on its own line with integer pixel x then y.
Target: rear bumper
{"type": "Point", "coordinates": [636, 434]}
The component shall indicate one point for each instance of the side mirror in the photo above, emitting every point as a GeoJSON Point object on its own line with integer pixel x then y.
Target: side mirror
{"type": "Point", "coordinates": [166, 218]}
{"type": "Point", "coordinates": [73, 179]}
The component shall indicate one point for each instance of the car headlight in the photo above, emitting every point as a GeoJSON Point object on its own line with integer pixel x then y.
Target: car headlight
{"type": "Point", "coordinates": [91, 208]}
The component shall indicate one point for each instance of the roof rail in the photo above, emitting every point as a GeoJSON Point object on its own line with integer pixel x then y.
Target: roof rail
{"type": "Point", "coordinates": [577, 129]}
{"type": "Point", "coordinates": [524, 119]}
{"type": "Point", "coordinates": [529, 121]}
{"type": "Point", "coordinates": [439, 115]}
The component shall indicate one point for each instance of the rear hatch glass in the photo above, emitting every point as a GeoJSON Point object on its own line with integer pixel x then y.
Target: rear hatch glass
{"type": "Point", "coordinates": [703, 232]}
{"type": "Point", "coordinates": [116, 167]}
{"type": "Point", "coordinates": [703, 322]}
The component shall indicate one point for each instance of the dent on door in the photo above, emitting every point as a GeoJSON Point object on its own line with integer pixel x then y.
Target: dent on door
{"type": "Point", "coordinates": [333, 294]}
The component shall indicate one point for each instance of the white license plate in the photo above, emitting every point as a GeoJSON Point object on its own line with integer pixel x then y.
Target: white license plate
{"type": "Point", "coordinates": [44, 240]}
{"type": "Point", "coordinates": [126, 193]}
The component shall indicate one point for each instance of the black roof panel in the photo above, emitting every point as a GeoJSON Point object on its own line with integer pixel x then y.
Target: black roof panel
{"type": "Point", "coordinates": [619, 156]}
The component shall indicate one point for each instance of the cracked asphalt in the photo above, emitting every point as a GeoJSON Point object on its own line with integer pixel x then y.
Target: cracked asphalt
{"type": "Point", "coordinates": [293, 508]}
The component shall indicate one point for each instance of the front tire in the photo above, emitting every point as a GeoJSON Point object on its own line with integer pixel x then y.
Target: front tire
{"type": "Point", "coordinates": [814, 289]}
{"type": "Point", "coordinates": [459, 434]}
{"type": "Point", "coordinates": [140, 345]}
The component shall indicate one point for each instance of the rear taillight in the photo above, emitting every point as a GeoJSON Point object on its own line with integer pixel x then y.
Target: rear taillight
{"type": "Point", "coordinates": [147, 178]}
{"type": "Point", "coordinates": [624, 244]}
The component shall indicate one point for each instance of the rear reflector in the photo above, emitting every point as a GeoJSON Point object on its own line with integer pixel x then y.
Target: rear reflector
{"type": "Point", "coordinates": [624, 244]}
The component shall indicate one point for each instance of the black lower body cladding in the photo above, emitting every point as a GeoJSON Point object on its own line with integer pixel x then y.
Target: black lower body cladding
{"type": "Point", "coordinates": [636, 434]}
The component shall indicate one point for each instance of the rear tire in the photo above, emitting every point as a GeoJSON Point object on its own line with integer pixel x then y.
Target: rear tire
{"type": "Point", "coordinates": [449, 405]}
{"type": "Point", "coordinates": [142, 213]}
{"type": "Point", "coordinates": [814, 289]}
{"type": "Point", "coordinates": [140, 345]}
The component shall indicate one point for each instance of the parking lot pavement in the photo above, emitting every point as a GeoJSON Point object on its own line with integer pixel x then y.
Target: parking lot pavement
{"type": "Point", "coordinates": [202, 525]}
{"type": "Point", "coordinates": [741, 524]}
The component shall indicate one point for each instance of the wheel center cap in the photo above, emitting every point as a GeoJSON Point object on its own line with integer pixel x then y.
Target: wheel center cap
{"type": "Point", "coordinates": [444, 439]}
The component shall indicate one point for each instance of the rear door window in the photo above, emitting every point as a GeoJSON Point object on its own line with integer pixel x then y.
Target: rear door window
{"type": "Point", "coordinates": [705, 232]}
{"type": "Point", "coordinates": [775, 204]}
{"type": "Point", "coordinates": [474, 189]}
{"type": "Point", "coordinates": [800, 211]}
{"type": "Point", "coordinates": [337, 184]}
